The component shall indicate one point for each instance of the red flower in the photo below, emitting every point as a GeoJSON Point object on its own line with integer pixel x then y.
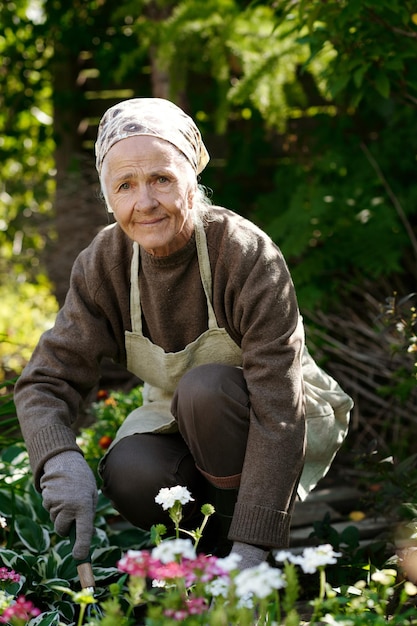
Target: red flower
{"type": "Point", "coordinates": [104, 442]}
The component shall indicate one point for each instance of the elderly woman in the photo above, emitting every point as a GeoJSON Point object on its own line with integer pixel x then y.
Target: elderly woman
{"type": "Point", "coordinates": [198, 303]}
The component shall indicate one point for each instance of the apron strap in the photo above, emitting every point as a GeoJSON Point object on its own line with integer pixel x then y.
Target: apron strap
{"type": "Point", "coordinates": [135, 308]}
{"type": "Point", "coordinates": [205, 269]}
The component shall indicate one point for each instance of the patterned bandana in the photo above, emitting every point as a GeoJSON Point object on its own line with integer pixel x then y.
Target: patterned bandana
{"type": "Point", "coordinates": [151, 116]}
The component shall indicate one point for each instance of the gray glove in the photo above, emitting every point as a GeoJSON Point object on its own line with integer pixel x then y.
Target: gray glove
{"type": "Point", "coordinates": [69, 492]}
{"type": "Point", "coordinates": [250, 556]}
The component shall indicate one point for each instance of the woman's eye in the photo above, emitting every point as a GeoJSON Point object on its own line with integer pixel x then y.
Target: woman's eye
{"type": "Point", "coordinates": [162, 179]}
{"type": "Point", "coordinates": [124, 186]}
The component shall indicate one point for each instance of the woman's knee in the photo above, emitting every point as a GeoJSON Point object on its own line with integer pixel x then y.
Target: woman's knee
{"type": "Point", "coordinates": [208, 386]}
{"type": "Point", "coordinates": [211, 406]}
{"type": "Point", "coordinates": [138, 467]}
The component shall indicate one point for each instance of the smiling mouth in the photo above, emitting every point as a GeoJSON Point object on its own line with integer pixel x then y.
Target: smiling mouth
{"type": "Point", "coordinates": [150, 222]}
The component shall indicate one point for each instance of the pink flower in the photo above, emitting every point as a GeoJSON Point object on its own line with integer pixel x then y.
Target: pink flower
{"type": "Point", "coordinates": [177, 614]}
{"type": "Point", "coordinates": [6, 574]}
{"type": "Point", "coordinates": [136, 563]}
{"type": "Point", "coordinates": [163, 571]}
{"type": "Point", "coordinates": [196, 606]}
{"type": "Point", "coordinates": [191, 606]}
{"type": "Point", "coordinates": [22, 609]}
{"type": "Point", "coordinates": [202, 569]}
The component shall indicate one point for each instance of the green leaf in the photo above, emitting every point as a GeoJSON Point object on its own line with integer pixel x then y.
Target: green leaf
{"type": "Point", "coordinates": [356, 98]}
{"type": "Point", "coordinates": [104, 573]}
{"type": "Point", "coordinates": [107, 557]}
{"type": "Point", "coordinates": [7, 505]}
{"type": "Point", "coordinates": [22, 565]}
{"type": "Point", "coordinates": [382, 85]}
{"type": "Point", "coordinates": [67, 569]}
{"type": "Point", "coordinates": [49, 618]}
{"type": "Point", "coordinates": [15, 454]}
{"type": "Point", "coordinates": [32, 535]}
{"type": "Point", "coordinates": [339, 83]}
{"type": "Point", "coordinates": [359, 74]}
{"type": "Point", "coordinates": [350, 536]}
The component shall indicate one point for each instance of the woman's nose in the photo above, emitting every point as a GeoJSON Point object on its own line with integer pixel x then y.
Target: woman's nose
{"type": "Point", "coordinates": [144, 199]}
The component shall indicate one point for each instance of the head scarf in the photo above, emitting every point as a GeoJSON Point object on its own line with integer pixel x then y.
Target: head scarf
{"type": "Point", "coordinates": [151, 116]}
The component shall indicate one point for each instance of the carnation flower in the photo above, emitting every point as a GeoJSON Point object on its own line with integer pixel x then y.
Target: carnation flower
{"type": "Point", "coordinates": [202, 569]}
{"type": "Point", "coordinates": [313, 558]}
{"type": "Point", "coordinates": [171, 549]}
{"type": "Point", "coordinates": [219, 587]}
{"type": "Point", "coordinates": [168, 496]}
{"type": "Point", "coordinates": [167, 571]}
{"type": "Point", "coordinates": [285, 555]}
{"type": "Point", "coordinates": [259, 581]}
{"type": "Point", "coordinates": [135, 562]}
{"type": "Point", "coordinates": [193, 605]}
{"type": "Point", "coordinates": [229, 563]}
{"type": "Point", "coordinates": [11, 575]}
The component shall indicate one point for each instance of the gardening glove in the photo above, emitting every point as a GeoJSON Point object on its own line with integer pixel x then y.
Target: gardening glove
{"type": "Point", "coordinates": [69, 492]}
{"type": "Point", "coordinates": [250, 556]}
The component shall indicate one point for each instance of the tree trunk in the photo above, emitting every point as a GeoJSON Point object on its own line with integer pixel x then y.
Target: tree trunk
{"type": "Point", "coordinates": [79, 213]}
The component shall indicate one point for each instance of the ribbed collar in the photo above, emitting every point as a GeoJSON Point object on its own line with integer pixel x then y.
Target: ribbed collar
{"type": "Point", "coordinates": [173, 260]}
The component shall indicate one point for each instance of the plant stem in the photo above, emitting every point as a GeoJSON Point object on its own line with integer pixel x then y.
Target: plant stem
{"type": "Point", "coordinates": [81, 615]}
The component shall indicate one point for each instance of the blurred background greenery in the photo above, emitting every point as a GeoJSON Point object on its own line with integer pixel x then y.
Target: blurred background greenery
{"type": "Point", "coordinates": [309, 112]}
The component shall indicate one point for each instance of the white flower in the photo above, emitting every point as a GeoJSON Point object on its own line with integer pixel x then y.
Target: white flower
{"type": "Point", "coordinates": [168, 496]}
{"type": "Point", "coordinates": [218, 587]}
{"type": "Point", "coordinates": [230, 562]}
{"type": "Point", "coordinates": [313, 558]}
{"type": "Point", "coordinates": [3, 522]}
{"type": "Point", "coordinates": [159, 583]}
{"type": "Point", "coordinates": [284, 555]}
{"type": "Point", "coordinates": [167, 551]}
{"type": "Point", "coordinates": [246, 602]}
{"type": "Point", "coordinates": [259, 581]}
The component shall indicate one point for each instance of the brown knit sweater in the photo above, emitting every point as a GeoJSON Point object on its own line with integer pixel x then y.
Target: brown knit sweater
{"type": "Point", "coordinates": [253, 299]}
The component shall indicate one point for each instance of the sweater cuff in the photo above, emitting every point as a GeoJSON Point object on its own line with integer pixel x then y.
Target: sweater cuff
{"type": "Point", "coordinates": [47, 443]}
{"type": "Point", "coordinates": [260, 526]}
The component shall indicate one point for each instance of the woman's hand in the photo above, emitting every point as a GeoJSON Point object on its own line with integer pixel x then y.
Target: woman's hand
{"type": "Point", "coordinates": [69, 493]}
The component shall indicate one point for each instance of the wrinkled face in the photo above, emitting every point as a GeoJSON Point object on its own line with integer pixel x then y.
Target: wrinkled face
{"type": "Point", "coordinates": [149, 185]}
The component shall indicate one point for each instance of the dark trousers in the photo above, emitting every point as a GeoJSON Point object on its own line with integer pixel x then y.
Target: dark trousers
{"type": "Point", "coordinates": [211, 407]}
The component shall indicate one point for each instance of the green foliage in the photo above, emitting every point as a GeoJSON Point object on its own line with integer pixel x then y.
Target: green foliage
{"type": "Point", "coordinates": [109, 412]}
{"type": "Point", "coordinates": [26, 145]}
{"type": "Point", "coordinates": [26, 313]}
{"type": "Point", "coordinates": [29, 545]}
{"type": "Point", "coordinates": [9, 427]}
{"type": "Point", "coordinates": [334, 218]}
{"type": "Point", "coordinates": [374, 43]}
{"type": "Point", "coordinates": [48, 577]}
{"type": "Point", "coordinates": [396, 482]}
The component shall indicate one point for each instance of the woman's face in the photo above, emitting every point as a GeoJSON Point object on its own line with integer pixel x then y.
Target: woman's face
{"type": "Point", "coordinates": [150, 185]}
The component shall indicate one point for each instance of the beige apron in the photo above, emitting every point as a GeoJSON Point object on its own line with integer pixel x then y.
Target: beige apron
{"type": "Point", "coordinates": [327, 406]}
{"type": "Point", "coordinates": [162, 370]}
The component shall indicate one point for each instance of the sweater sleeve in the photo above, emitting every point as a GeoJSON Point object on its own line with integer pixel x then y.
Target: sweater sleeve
{"type": "Point", "coordinates": [261, 309]}
{"type": "Point", "coordinates": [65, 366]}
